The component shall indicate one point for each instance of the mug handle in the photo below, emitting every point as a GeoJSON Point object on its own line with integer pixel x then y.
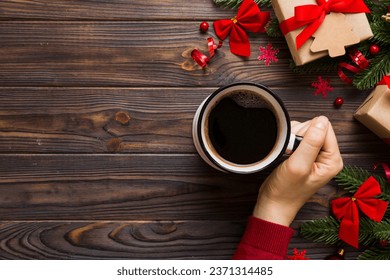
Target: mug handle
{"type": "Point", "coordinates": [293, 143]}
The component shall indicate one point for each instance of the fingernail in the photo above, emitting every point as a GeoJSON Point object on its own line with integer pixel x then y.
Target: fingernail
{"type": "Point", "coordinates": [322, 122]}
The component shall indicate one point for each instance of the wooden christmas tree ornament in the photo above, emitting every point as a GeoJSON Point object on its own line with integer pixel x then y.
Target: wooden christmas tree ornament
{"type": "Point", "coordinates": [334, 35]}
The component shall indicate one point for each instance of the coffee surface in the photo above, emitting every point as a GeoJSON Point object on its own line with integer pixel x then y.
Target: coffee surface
{"type": "Point", "coordinates": [242, 135]}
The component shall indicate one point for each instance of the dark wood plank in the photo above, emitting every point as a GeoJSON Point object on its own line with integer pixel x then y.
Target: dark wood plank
{"type": "Point", "coordinates": [150, 197]}
{"type": "Point", "coordinates": [66, 187]}
{"type": "Point", "coordinates": [137, 240]}
{"type": "Point", "coordinates": [143, 54]}
{"type": "Point", "coordinates": [97, 120]}
{"type": "Point", "coordinates": [142, 197]}
{"type": "Point", "coordinates": [138, 10]}
{"type": "Point", "coordinates": [57, 167]}
{"type": "Point", "coordinates": [131, 240]}
{"type": "Point", "coordinates": [145, 120]}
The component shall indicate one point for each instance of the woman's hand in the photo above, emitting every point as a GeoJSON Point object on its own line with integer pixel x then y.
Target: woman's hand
{"type": "Point", "coordinates": [314, 163]}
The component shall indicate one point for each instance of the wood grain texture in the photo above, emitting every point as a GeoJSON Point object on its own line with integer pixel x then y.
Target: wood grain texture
{"type": "Point", "coordinates": [130, 54]}
{"type": "Point", "coordinates": [130, 240]}
{"type": "Point", "coordinates": [134, 10]}
{"type": "Point", "coordinates": [114, 187]}
{"type": "Point", "coordinates": [96, 158]}
{"type": "Point", "coordinates": [144, 120]}
{"type": "Point", "coordinates": [58, 167]}
{"type": "Point", "coordinates": [137, 240]}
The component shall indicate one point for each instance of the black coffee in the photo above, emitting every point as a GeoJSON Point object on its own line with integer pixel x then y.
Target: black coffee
{"type": "Point", "coordinates": [242, 129]}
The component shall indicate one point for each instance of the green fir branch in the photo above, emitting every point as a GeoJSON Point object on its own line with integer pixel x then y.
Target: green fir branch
{"type": "Point", "coordinates": [379, 66]}
{"type": "Point", "coordinates": [233, 4]}
{"type": "Point", "coordinates": [273, 29]}
{"type": "Point", "coordinates": [323, 230]}
{"type": "Point", "coordinates": [366, 232]}
{"type": "Point", "coordinates": [321, 65]}
{"type": "Point", "coordinates": [381, 30]}
{"type": "Point", "coordinates": [377, 7]}
{"type": "Point", "coordinates": [364, 48]}
{"type": "Point", "coordinates": [375, 254]}
{"type": "Point", "coordinates": [351, 177]}
{"type": "Point", "coordinates": [382, 230]}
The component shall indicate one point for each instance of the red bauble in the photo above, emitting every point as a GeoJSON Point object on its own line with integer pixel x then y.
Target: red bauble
{"type": "Point", "coordinates": [383, 243]}
{"type": "Point", "coordinates": [338, 102]}
{"type": "Point", "coordinates": [204, 26]}
{"type": "Point", "coordinates": [374, 49]}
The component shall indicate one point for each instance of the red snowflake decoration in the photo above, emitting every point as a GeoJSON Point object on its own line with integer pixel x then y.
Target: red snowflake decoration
{"type": "Point", "coordinates": [298, 255]}
{"type": "Point", "coordinates": [321, 86]}
{"type": "Point", "coordinates": [268, 54]}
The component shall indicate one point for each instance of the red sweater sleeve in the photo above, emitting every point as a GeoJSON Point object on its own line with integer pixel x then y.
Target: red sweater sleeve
{"type": "Point", "coordinates": [263, 240]}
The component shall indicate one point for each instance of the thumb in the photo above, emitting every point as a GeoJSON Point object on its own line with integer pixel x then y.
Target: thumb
{"type": "Point", "coordinates": [313, 140]}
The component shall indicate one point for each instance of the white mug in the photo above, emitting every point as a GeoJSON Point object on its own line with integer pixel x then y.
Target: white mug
{"type": "Point", "coordinates": [285, 143]}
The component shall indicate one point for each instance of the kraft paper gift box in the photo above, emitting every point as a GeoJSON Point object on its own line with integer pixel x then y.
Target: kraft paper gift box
{"type": "Point", "coordinates": [374, 113]}
{"type": "Point", "coordinates": [284, 9]}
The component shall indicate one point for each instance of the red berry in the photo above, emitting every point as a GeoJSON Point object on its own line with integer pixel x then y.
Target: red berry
{"type": "Point", "coordinates": [338, 102]}
{"type": "Point", "coordinates": [204, 26]}
{"type": "Point", "coordinates": [374, 49]}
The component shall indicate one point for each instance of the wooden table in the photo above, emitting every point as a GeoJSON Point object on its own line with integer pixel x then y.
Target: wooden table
{"type": "Point", "coordinates": [97, 161]}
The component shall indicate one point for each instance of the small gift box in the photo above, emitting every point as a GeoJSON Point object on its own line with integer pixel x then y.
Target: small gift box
{"type": "Point", "coordinates": [374, 113]}
{"type": "Point", "coordinates": [334, 24]}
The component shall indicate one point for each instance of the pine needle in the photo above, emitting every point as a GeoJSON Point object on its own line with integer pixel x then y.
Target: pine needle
{"type": "Point", "coordinates": [323, 230]}
{"type": "Point", "coordinates": [376, 254]}
{"type": "Point", "coordinates": [324, 64]}
{"type": "Point", "coordinates": [273, 29]}
{"type": "Point", "coordinates": [350, 178]}
{"type": "Point", "coordinates": [379, 66]}
{"type": "Point", "coordinates": [366, 232]}
{"type": "Point", "coordinates": [382, 230]}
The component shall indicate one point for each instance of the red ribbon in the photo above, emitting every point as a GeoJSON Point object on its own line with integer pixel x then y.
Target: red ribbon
{"type": "Point", "coordinates": [385, 81]}
{"type": "Point", "coordinates": [201, 58]}
{"type": "Point", "coordinates": [385, 167]}
{"type": "Point", "coordinates": [359, 59]}
{"type": "Point", "coordinates": [314, 15]}
{"type": "Point", "coordinates": [249, 17]}
{"type": "Point", "coordinates": [347, 209]}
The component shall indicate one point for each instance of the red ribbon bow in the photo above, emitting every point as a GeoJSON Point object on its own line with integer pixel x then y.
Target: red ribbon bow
{"type": "Point", "coordinates": [347, 209]}
{"type": "Point", "coordinates": [314, 15]}
{"type": "Point", "coordinates": [249, 17]}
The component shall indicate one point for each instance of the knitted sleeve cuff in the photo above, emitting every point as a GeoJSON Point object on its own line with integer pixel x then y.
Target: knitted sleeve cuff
{"type": "Point", "coordinates": [264, 240]}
